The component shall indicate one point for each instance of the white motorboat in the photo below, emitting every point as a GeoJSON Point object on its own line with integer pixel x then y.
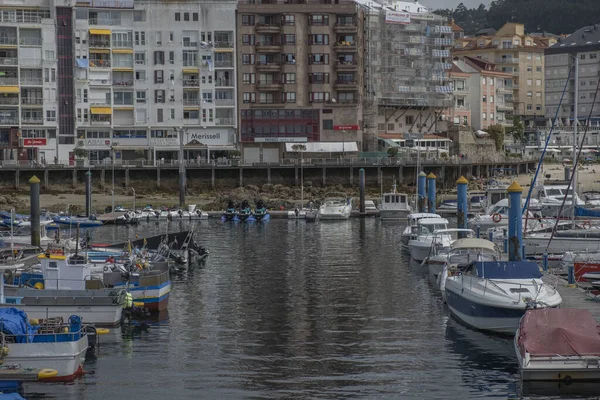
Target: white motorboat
{"type": "Point", "coordinates": [552, 196]}
{"type": "Point", "coordinates": [394, 206]}
{"type": "Point", "coordinates": [411, 226]}
{"type": "Point", "coordinates": [426, 232]}
{"type": "Point", "coordinates": [335, 208]}
{"type": "Point", "coordinates": [496, 216]}
{"type": "Point", "coordinates": [558, 344]}
{"type": "Point", "coordinates": [576, 240]}
{"type": "Point", "coordinates": [191, 213]}
{"type": "Point", "coordinates": [461, 253]}
{"type": "Point", "coordinates": [494, 295]}
{"type": "Point", "coordinates": [57, 346]}
{"type": "Point", "coordinates": [591, 198]}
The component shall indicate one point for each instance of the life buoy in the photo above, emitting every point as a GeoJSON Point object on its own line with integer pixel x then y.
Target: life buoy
{"type": "Point", "coordinates": [496, 217]}
{"type": "Point", "coordinates": [587, 225]}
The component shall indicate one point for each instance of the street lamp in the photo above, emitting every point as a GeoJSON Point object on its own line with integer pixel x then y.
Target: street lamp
{"type": "Point", "coordinates": [344, 144]}
{"type": "Point", "coordinates": [181, 131]}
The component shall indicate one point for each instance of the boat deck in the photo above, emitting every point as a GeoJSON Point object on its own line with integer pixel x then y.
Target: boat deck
{"type": "Point", "coordinates": [575, 297]}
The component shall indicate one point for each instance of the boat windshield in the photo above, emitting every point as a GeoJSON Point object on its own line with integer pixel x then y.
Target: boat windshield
{"type": "Point", "coordinates": [554, 192]}
{"type": "Point", "coordinates": [499, 210]}
{"type": "Point", "coordinates": [394, 198]}
{"type": "Point", "coordinates": [427, 229]}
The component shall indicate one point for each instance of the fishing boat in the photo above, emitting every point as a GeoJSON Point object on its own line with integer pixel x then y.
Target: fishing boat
{"type": "Point", "coordinates": [49, 345]}
{"type": "Point", "coordinates": [394, 206]}
{"type": "Point", "coordinates": [245, 211]}
{"type": "Point", "coordinates": [493, 296]}
{"type": "Point", "coordinates": [230, 213]}
{"type": "Point", "coordinates": [411, 226]}
{"type": "Point", "coordinates": [428, 230]}
{"type": "Point", "coordinates": [461, 253]}
{"type": "Point", "coordinates": [335, 207]}
{"type": "Point", "coordinates": [558, 344]}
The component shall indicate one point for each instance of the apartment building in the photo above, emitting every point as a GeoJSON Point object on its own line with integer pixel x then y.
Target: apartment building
{"type": "Point", "coordinates": [460, 112]}
{"type": "Point", "coordinates": [520, 55]}
{"type": "Point", "coordinates": [485, 97]}
{"type": "Point", "coordinates": [148, 71]}
{"type": "Point", "coordinates": [28, 82]}
{"type": "Point", "coordinates": [300, 77]}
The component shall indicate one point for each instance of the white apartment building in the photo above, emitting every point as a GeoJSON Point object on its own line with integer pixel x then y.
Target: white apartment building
{"type": "Point", "coordinates": [28, 81]}
{"type": "Point", "coordinates": [147, 70]}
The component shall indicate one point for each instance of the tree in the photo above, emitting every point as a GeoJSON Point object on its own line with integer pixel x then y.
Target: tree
{"type": "Point", "coordinates": [496, 132]}
{"type": "Point", "coordinates": [299, 147]}
{"type": "Point", "coordinates": [80, 152]}
{"type": "Point", "coordinates": [517, 131]}
{"type": "Point", "coordinates": [392, 151]}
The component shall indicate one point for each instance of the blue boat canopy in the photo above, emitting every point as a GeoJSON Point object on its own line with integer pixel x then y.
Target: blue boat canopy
{"type": "Point", "coordinates": [508, 270]}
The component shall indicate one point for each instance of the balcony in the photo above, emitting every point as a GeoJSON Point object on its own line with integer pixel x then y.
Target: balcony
{"type": "Point", "coordinates": [345, 47]}
{"type": "Point", "coordinates": [9, 61]}
{"type": "Point", "coordinates": [9, 120]}
{"type": "Point", "coordinates": [191, 121]}
{"type": "Point", "coordinates": [223, 63]}
{"type": "Point", "coordinates": [30, 62]}
{"type": "Point", "coordinates": [32, 101]}
{"type": "Point", "coordinates": [224, 121]}
{"type": "Point", "coordinates": [273, 47]}
{"type": "Point", "coordinates": [269, 85]}
{"type": "Point", "coordinates": [7, 81]}
{"type": "Point", "coordinates": [12, 101]}
{"type": "Point", "coordinates": [503, 107]}
{"type": "Point", "coordinates": [346, 85]}
{"type": "Point", "coordinates": [267, 66]}
{"type": "Point", "coordinates": [105, 21]}
{"type": "Point", "coordinates": [342, 103]}
{"type": "Point", "coordinates": [122, 64]}
{"type": "Point", "coordinates": [99, 44]}
{"type": "Point", "coordinates": [223, 45]}
{"type": "Point", "coordinates": [31, 81]}
{"type": "Point", "coordinates": [193, 102]}
{"type": "Point", "coordinates": [191, 82]}
{"type": "Point", "coordinates": [35, 120]}
{"type": "Point", "coordinates": [223, 82]}
{"type": "Point", "coordinates": [122, 44]}
{"type": "Point", "coordinates": [345, 27]}
{"type": "Point", "coordinates": [100, 63]}
{"type": "Point", "coordinates": [268, 28]}
{"type": "Point", "coordinates": [120, 82]}
{"type": "Point", "coordinates": [8, 41]}
{"type": "Point", "coordinates": [30, 41]}
{"type": "Point", "coordinates": [100, 120]}
{"type": "Point", "coordinates": [346, 65]}
{"type": "Point", "coordinates": [224, 102]}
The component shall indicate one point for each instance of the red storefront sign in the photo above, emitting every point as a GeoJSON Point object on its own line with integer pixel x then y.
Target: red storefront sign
{"type": "Point", "coordinates": [346, 128]}
{"type": "Point", "coordinates": [34, 142]}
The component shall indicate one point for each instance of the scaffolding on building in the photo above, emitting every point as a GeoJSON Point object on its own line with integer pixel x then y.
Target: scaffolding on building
{"type": "Point", "coordinates": [407, 65]}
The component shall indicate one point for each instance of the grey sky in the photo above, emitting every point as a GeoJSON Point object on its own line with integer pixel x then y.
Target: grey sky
{"type": "Point", "coordinates": [453, 3]}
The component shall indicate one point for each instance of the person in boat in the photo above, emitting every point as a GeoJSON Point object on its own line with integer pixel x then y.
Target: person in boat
{"type": "Point", "coordinates": [260, 205]}
{"type": "Point", "coordinates": [110, 260]}
{"type": "Point", "coordinates": [230, 205]}
{"type": "Point", "coordinates": [245, 204]}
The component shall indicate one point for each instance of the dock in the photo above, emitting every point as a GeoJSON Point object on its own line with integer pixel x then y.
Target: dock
{"type": "Point", "coordinates": [575, 296]}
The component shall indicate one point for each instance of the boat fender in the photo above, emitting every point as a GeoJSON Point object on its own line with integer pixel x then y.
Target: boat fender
{"type": "Point", "coordinates": [47, 373]}
{"type": "Point", "coordinates": [5, 351]}
{"type": "Point", "coordinates": [587, 224]}
{"type": "Point", "coordinates": [496, 217]}
{"type": "Point", "coordinates": [39, 286]}
{"type": "Point", "coordinates": [102, 331]}
{"type": "Point", "coordinates": [34, 321]}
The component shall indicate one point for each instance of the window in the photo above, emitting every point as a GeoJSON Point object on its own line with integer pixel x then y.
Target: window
{"type": "Point", "coordinates": [139, 16]}
{"type": "Point", "coordinates": [529, 82]}
{"type": "Point", "coordinates": [247, 20]}
{"type": "Point", "coordinates": [186, 16]}
{"type": "Point", "coordinates": [51, 115]}
{"type": "Point", "coordinates": [289, 77]}
{"type": "Point", "coordinates": [248, 40]}
{"type": "Point", "coordinates": [289, 19]}
{"type": "Point", "coordinates": [159, 115]}
{"type": "Point", "coordinates": [538, 107]}
{"type": "Point", "coordinates": [171, 36]}
{"type": "Point", "coordinates": [172, 112]}
{"type": "Point", "coordinates": [248, 59]}
{"type": "Point", "coordinates": [46, 75]}
{"type": "Point", "coordinates": [529, 56]}
{"type": "Point", "coordinates": [177, 17]}
{"type": "Point", "coordinates": [290, 97]}
{"type": "Point", "coordinates": [159, 38]}
{"type": "Point", "coordinates": [582, 56]}
{"type": "Point", "coordinates": [266, 98]}
{"type": "Point", "coordinates": [538, 82]}
{"type": "Point", "coordinates": [491, 116]}
{"type": "Point", "coordinates": [289, 39]}
{"type": "Point", "coordinates": [593, 56]}
{"type": "Point", "coordinates": [391, 127]}
{"type": "Point", "coordinates": [538, 94]}
{"type": "Point", "coordinates": [140, 58]}
{"type": "Point", "coordinates": [171, 57]}
{"type": "Point", "coordinates": [249, 79]}
{"type": "Point", "coordinates": [484, 116]}
{"type": "Point", "coordinates": [195, 17]}
{"type": "Point", "coordinates": [529, 94]}
{"type": "Point", "coordinates": [318, 19]}
{"type": "Point", "coordinates": [289, 59]}
{"type": "Point", "coordinates": [483, 80]}
{"type": "Point", "coordinates": [159, 58]}
{"type": "Point", "coordinates": [318, 59]}
{"type": "Point", "coordinates": [318, 97]}
{"type": "Point", "coordinates": [484, 98]}
{"type": "Point", "coordinates": [159, 76]}
{"type": "Point", "coordinates": [123, 98]}
{"type": "Point", "coordinates": [328, 125]}
{"type": "Point", "coordinates": [318, 39]}
{"type": "Point", "coordinates": [85, 95]}
{"type": "Point", "coordinates": [409, 119]}
{"type": "Point", "coordinates": [249, 97]}
{"type": "Point", "coordinates": [491, 99]}
{"type": "Point", "coordinates": [318, 78]}
{"type": "Point", "coordinates": [159, 96]}
{"type": "Point", "coordinates": [529, 68]}
{"type": "Point", "coordinates": [529, 108]}
{"type": "Point", "coordinates": [49, 54]}
{"type": "Point", "coordinates": [140, 96]}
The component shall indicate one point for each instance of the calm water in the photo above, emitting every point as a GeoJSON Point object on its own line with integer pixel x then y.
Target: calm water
{"type": "Point", "coordinates": [286, 309]}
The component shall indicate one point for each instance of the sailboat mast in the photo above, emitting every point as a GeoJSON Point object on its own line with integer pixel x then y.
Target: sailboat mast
{"type": "Point", "coordinates": [575, 138]}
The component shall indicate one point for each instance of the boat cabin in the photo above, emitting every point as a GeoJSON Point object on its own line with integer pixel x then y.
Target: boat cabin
{"type": "Point", "coordinates": [394, 201]}
{"type": "Point", "coordinates": [61, 271]}
{"type": "Point", "coordinates": [428, 226]}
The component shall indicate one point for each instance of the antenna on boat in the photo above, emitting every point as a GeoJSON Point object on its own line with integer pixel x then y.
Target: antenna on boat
{"type": "Point", "coordinates": [12, 237]}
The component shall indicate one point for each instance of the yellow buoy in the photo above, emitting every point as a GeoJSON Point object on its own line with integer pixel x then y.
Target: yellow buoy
{"type": "Point", "coordinates": [39, 286]}
{"type": "Point", "coordinates": [5, 351]}
{"type": "Point", "coordinates": [65, 330]}
{"type": "Point", "coordinates": [47, 373]}
{"type": "Point", "coordinates": [138, 303]}
{"type": "Point", "coordinates": [102, 331]}
{"type": "Point", "coordinates": [34, 321]}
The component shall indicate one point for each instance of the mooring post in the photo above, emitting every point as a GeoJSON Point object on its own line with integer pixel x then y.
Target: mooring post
{"type": "Point", "coordinates": [431, 192]}
{"type": "Point", "coordinates": [422, 191]}
{"type": "Point", "coordinates": [34, 201]}
{"type": "Point", "coordinates": [88, 194]}
{"type": "Point", "coordinates": [515, 223]}
{"type": "Point", "coordinates": [361, 186]}
{"type": "Point", "coordinates": [461, 205]}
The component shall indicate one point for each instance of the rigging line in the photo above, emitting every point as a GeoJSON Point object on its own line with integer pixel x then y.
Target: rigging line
{"type": "Point", "coordinates": [573, 203]}
{"type": "Point", "coordinates": [537, 170]}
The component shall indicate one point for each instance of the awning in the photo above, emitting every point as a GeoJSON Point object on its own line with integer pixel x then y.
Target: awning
{"type": "Point", "coordinates": [190, 70]}
{"type": "Point", "coordinates": [122, 69]}
{"type": "Point", "coordinates": [222, 148]}
{"type": "Point", "coordinates": [123, 51]}
{"type": "Point", "coordinates": [99, 31]}
{"type": "Point", "coordinates": [125, 108]}
{"type": "Point", "coordinates": [389, 142]}
{"type": "Point", "coordinates": [99, 51]}
{"type": "Point", "coordinates": [131, 148]}
{"type": "Point", "coordinates": [101, 110]}
{"type": "Point", "coordinates": [82, 62]}
{"type": "Point", "coordinates": [9, 89]}
{"type": "Point", "coordinates": [325, 147]}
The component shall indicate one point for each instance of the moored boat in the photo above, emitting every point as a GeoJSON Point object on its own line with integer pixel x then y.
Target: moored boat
{"type": "Point", "coordinates": [394, 206]}
{"type": "Point", "coordinates": [230, 213]}
{"type": "Point", "coordinates": [335, 207]}
{"type": "Point", "coordinates": [411, 225]}
{"type": "Point", "coordinates": [421, 240]}
{"type": "Point", "coordinates": [558, 345]}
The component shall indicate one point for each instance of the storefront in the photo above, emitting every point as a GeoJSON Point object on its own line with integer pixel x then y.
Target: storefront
{"type": "Point", "coordinates": [200, 144]}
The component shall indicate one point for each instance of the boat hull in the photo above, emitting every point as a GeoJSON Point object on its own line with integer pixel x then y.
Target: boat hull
{"type": "Point", "coordinates": [155, 298]}
{"type": "Point", "coordinates": [65, 357]}
{"type": "Point", "coordinates": [393, 215]}
{"type": "Point", "coordinates": [103, 315]}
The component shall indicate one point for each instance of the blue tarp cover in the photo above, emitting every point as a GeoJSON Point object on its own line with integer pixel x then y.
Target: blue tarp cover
{"type": "Point", "coordinates": [584, 212]}
{"type": "Point", "coordinates": [15, 322]}
{"type": "Point", "coordinates": [82, 62]}
{"type": "Point", "coordinates": [508, 270]}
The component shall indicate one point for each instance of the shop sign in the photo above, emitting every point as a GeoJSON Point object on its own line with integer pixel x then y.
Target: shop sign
{"type": "Point", "coordinates": [34, 142]}
{"type": "Point", "coordinates": [346, 128]}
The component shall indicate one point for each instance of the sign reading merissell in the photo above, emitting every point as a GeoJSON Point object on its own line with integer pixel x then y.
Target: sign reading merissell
{"type": "Point", "coordinates": [395, 17]}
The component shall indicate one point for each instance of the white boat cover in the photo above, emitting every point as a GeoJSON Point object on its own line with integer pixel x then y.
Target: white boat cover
{"type": "Point", "coordinates": [473, 243]}
{"type": "Point", "coordinates": [559, 332]}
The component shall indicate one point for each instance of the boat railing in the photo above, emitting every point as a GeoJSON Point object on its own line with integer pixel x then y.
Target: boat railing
{"type": "Point", "coordinates": [52, 333]}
